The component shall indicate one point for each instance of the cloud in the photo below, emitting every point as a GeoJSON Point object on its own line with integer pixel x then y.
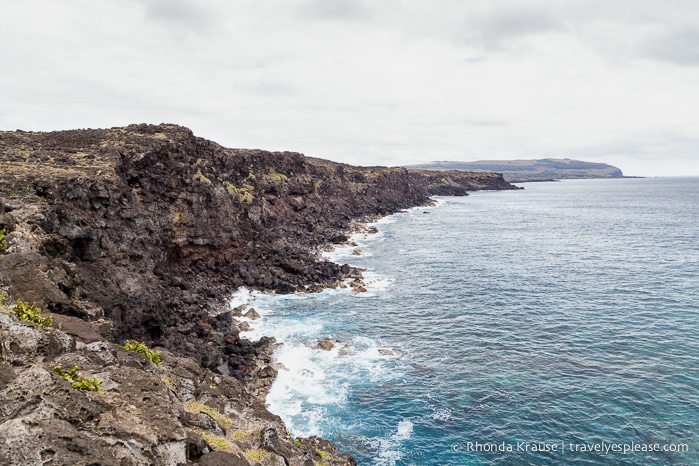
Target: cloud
{"type": "Point", "coordinates": [183, 15]}
{"type": "Point", "coordinates": [499, 28]}
{"type": "Point", "coordinates": [334, 9]}
{"type": "Point", "coordinates": [273, 89]}
{"type": "Point", "coordinates": [390, 82]}
{"type": "Point", "coordinates": [678, 45]}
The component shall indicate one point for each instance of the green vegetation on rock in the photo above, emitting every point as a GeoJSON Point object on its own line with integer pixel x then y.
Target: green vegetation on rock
{"type": "Point", "coordinates": [199, 407]}
{"type": "Point", "coordinates": [77, 380]}
{"type": "Point", "coordinates": [243, 193]}
{"type": "Point", "coordinates": [239, 435]}
{"type": "Point", "coordinates": [257, 455]}
{"type": "Point", "coordinates": [324, 455]}
{"type": "Point", "coordinates": [199, 176]}
{"type": "Point", "coordinates": [217, 442]}
{"type": "Point", "coordinates": [140, 347]}
{"type": "Point", "coordinates": [3, 243]}
{"type": "Point", "coordinates": [30, 313]}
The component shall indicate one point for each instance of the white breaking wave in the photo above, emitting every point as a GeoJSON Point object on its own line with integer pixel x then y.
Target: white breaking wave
{"type": "Point", "coordinates": [313, 385]}
{"type": "Point", "coordinates": [240, 297]}
{"type": "Point", "coordinates": [389, 449]}
{"type": "Point", "coordinates": [311, 382]}
{"type": "Point", "coordinates": [405, 430]}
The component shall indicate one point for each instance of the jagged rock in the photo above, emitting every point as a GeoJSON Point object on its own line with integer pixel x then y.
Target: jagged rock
{"type": "Point", "coordinates": [244, 326]}
{"type": "Point", "coordinates": [76, 327]}
{"type": "Point", "coordinates": [221, 458]}
{"type": "Point", "coordinates": [7, 375]}
{"type": "Point", "coordinates": [344, 350]}
{"type": "Point", "coordinates": [196, 446]}
{"type": "Point", "coordinates": [315, 288]}
{"type": "Point", "coordinates": [202, 421]}
{"type": "Point", "coordinates": [325, 344]}
{"type": "Point", "coordinates": [270, 441]}
{"type": "Point", "coordinates": [252, 314]}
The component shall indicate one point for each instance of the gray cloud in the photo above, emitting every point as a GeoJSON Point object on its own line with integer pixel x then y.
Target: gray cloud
{"type": "Point", "coordinates": [501, 28]}
{"type": "Point", "coordinates": [674, 45]}
{"type": "Point", "coordinates": [181, 14]}
{"type": "Point", "coordinates": [335, 9]}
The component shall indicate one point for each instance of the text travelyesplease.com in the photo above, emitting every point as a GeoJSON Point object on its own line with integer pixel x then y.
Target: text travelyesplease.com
{"type": "Point", "coordinates": [564, 447]}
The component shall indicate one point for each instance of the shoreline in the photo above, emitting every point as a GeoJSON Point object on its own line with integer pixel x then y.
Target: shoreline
{"type": "Point", "coordinates": [141, 232]}
{"type": "Point", "coordinates": [361, 230]}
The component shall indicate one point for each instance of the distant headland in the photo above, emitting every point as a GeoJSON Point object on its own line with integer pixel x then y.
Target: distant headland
{"type": "Point", "coordinates": [530, 170]}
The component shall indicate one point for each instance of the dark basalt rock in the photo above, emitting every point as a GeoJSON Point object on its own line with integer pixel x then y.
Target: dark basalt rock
{"type": "Point", "coordinates": [221, 458]}
{"type": "Point", "coordinates": [144, 231]}
{"type": "Point", "coordinates": [325, 344]}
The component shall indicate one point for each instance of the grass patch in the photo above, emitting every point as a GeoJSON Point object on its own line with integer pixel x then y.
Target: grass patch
{"type": "Point", "coordinates": [243, 193]}
{"type": "Point", "coordinates": [199, 176]}
{"type": "Point", "coordinates": [3, 242]}
{"type": "Point", "coordinates": [170, 384]}
{"type": "Point", "coordinates": [140, 347]}
{"type": "Point", "coordinates": [30, 313]}
{"type": "Point", "coordinates": [77, 380]}
{"type": "Point", "coordinates": [216, 442]}
{"type": "Point", "coordinates": [324, 456]}
{"type": "Point", "coordinates": [240, 435]}
{"type": "Point", "coordinates": [230, 187]}
{"type": "Point", "coordinates": [257, 455]}
{"type": "Point", "coordinates": [222, 420]}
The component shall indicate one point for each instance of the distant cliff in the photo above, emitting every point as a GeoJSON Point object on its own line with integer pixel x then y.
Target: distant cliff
{"type": "Point", "coordinates": [531, 170]}
{"type": "Point", "coordinates": [143, 232]}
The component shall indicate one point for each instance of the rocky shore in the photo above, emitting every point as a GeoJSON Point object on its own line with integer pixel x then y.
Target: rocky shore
{"type": "Point", "coordinates": [143, 232]}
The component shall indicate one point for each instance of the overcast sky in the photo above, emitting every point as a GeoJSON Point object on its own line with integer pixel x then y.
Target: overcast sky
{"type": "Point", "coordinates": [370, 82]}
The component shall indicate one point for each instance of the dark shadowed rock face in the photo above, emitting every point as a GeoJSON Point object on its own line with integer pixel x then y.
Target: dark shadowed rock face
{"type": "Point", "coordinates": [150, 226]}
{"type": "Point", "coordinates": [458, 183]}
{"type": "Point", "coordinates": [144, 231]}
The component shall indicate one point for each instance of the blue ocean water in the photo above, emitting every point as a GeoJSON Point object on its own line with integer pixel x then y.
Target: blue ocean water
{"type": "Point", "coordinates": [567, 313]}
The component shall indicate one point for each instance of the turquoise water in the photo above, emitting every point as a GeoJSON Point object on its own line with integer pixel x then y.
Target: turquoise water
{"type": "Point", "coordinates": [567, 312]}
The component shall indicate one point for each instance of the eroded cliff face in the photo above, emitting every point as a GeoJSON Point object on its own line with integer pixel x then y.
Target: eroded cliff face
{"type": "Point", "coordinates": [144, 231]}
{"type": "Point", "coordinates": [150, 226]}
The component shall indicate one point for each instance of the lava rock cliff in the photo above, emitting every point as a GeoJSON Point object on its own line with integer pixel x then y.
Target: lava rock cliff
{"type": "Point", "coordinates": [145, 231]}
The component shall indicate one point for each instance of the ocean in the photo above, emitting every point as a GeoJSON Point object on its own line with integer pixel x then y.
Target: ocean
{"type": "Point", "coordinates": [554, 325]}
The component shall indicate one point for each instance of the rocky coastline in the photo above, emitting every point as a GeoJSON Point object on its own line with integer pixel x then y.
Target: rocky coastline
{"type": "Point", "coordinates": [143, 232]}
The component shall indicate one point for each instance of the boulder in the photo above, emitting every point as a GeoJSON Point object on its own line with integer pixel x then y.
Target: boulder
{"type": "Point", "coordinates": [252, 314]}
{"type": "Point", "coordinates": [325, 344]}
